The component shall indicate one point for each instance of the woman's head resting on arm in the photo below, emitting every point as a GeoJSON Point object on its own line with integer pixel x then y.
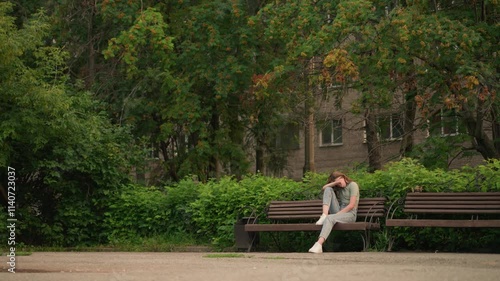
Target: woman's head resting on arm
{"type": "Point", "coordinates": [340, 178]}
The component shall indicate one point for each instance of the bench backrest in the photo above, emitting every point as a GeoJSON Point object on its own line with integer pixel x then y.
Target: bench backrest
{"type": "Point", "coordinates": [312, 209]}
{"type": "Point", "coordinates": [453, 202]}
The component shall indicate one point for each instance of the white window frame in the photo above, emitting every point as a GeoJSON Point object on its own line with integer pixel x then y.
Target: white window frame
{"type": "Point", "coordinates": [393, 122]}
{"type": "Point", "coordinates": [333, 137]}
{"type": "Point", "coordinates": [443, 128]}
{"type": "Point", "coordinates": [391, 127]}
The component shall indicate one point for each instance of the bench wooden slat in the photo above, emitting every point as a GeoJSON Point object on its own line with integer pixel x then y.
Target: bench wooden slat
{"type": "Point", "coordinates": [295, 209]}
{"type": "Point", "coordinates": [442, 223]}
{"type": "Point", "coordinates": [312, 209]}
{"type": "Point", "coordinates": [320, 207]}
{"type": "Point", "coordinates": [452, 211]}
{"type": "Point", "coordinates": [361, 211]}
{"type": "Point", "coordinates": [305, 212]}
{"type": "Point", "coordinates": [469, 196]}
{"type": "Point", "coordinates": [315, 217]}
{"type": "Point", "coordinates": [372, 207]}
{"type": "Point", "coordinates": [308, 212]}
{"type": "Point", "coordinates": [450, 198]}
{"type": "Point", "coordinates": [298, 203]}
{"type": "Point", "coordinates": [308, 227]}
{"type": "Point", "coordinates": [446, 206]}
{"type": "Point", "coordinates": [455, 194]}
{"type": "Point", "coordinates": [376, 199]}
{"type": "Point", "coordinates": [290, 217]}
{"type": "Point", "coordinates": [451, 202]}
{"type": "Point", "coordinates": [319, 212]}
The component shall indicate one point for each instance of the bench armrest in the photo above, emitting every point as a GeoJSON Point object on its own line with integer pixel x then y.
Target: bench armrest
{"type": "Point", "coordinates": [394, 207]}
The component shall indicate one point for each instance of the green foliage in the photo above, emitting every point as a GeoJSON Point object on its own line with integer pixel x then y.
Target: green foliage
{"type": "Point", "coordinates": [146, 36]}
{"type": "Point", "coordinates": [437, 152]}
{"type": "Point", "coordinates": [136, 211]}
{"type": "Point", "coordinates": [75, 223]}
{"type": "Point", "coordinates": [400, 177]}
{"type": "Point", "coordinates": [63, 147]}
{"type": "Point", "coordinates": [488, 175]}
{"type": "Point", "coordinates": [3, 224]}
{"type": "Point", "coordinates": [221, 203]}
{"type": "Point", "coordinates": [180, 196]}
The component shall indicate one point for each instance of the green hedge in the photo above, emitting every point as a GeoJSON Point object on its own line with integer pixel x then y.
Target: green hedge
{"type": "Point", "coordinates": [209, 210]}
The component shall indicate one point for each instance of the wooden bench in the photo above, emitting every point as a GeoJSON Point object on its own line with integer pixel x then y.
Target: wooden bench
{"type": "Point", "coordinates": [302, 216]}
{"type": "Point", "coordinates": [446, 209]}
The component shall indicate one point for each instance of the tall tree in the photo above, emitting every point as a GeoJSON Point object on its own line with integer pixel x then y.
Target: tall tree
{"type": "Point", "coordinates": [434, 59]}
{"type": "Point", "coordinates": [187, 100]}
{"type": "Point", "coordinates": [64, 150]}
{"type": "Point", "coordinates": [292, 32]}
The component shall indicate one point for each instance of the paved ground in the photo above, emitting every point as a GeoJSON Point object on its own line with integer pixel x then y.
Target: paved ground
{"type": "Point", "coordinates": [112, 266]}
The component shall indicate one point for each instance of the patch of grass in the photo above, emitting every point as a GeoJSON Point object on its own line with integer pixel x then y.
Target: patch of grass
{"type": "Point", "coordinates": [275, 258]}
{"type": "Point", "coordinates": [18, 253]}
{"type": "Point", "coordinates": [160, 243]}
{"type": "Point", "coordinates": [225, 255]}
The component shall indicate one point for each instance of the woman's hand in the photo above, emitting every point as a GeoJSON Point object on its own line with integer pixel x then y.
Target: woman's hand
{"type": "Point", "coordinates": [331, 184]}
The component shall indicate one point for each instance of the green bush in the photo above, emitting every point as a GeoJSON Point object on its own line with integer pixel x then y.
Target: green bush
{"type": "Point", "coordinates": [136, 211]}
{"type": "Point", "coordinates": [209, 210]}
{"type": "Point", "coordinates": [179, 198]}
{"type": "Point", "coordinates": [221, 203]}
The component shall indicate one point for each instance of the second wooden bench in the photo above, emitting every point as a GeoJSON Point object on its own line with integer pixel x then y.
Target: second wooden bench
{"type": "Point", "coordinates": [445, 209]}
{"type": "Point", "coordinates": [421, 208]}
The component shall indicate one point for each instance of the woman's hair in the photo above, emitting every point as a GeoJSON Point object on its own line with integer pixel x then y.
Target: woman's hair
{"type": "Point", "coordinates": [336, 174]}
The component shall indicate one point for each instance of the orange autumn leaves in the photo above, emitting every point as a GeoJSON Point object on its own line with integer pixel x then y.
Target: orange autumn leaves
{"type": "Point", "coordinates": [339, 67]}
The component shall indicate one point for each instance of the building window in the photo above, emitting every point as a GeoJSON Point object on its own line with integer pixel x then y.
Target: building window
{"type": "Point", "coordinates": [445, 123]}
{"type": "Point", "coordinates": [331, 133]}
{"type": "Point", "coordinates": [288, 137]}
{"type": "Point", "coordinates": [390, 127]}
{"type": "Point", "coordinates": [153, 151]}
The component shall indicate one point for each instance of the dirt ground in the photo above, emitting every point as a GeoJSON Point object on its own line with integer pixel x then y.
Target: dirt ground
{"type": "Point", "coordinates": [113, 266]}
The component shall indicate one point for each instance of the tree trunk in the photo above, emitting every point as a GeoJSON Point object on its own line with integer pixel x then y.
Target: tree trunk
{"type": "Point", "coordinates": [169, 162]}
{"type": "Point", "coordinates": [408, 121]}
{"type": "Point", "coordinates": [374, 154]}
{"type": "Point", "coordinates": [309, 164]}
{"type": "Point", "coordinates": [215, 165]}
{"type": "Point", "coordinates": [259, 157]}
{"type": "Point", "coordinates": [481, 142]}
{"type": "Point", "coordinates": [90, 41]}
{"type": "Point", "coordinates": [483, 11]}
{"type": "Point", "coordinates": [495, 113]}
{"type": "Point", "coordinates": [311, 131]}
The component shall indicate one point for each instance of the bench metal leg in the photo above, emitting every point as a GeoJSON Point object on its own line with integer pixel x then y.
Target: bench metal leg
{"type": "Point", "coordinates": [364, 242]}
{"type": "Point", "coordinates": [252, 242]}
{"type": "Point", "coordinates": [366, 236]}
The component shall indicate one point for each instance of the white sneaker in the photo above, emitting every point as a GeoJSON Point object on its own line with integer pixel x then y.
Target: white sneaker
{"type": "Point", "coordinates": [316, 248]}
{"type": "Point", "coordinates": [321, 219]}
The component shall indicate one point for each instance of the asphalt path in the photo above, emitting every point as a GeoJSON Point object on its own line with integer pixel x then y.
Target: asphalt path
{"type": "Point", "coordinates": [366, 266]}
